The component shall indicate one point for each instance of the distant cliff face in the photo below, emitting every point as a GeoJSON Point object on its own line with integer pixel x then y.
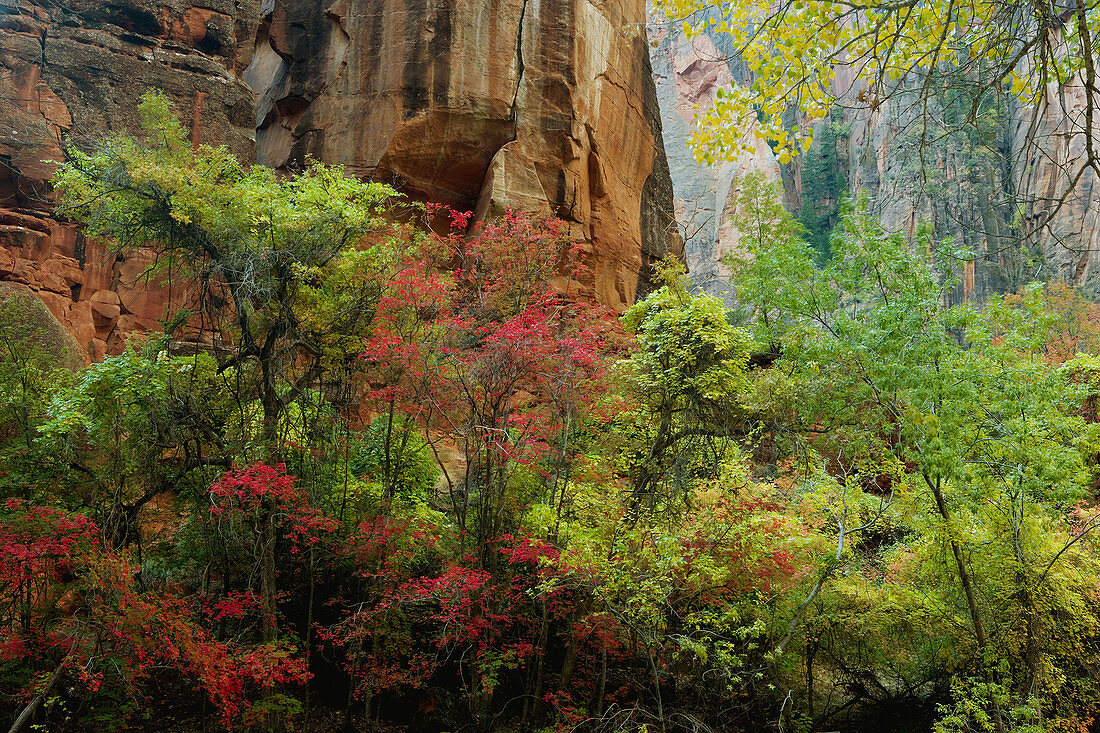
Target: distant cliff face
{"type": "Point", "coordinates": [483, 104]}
{"type": "Point", "coordinates": [958, 183]}
{"type": "Point", "coordinates": [963, 182]}
{"type": "Point", "coordinates": [688, 73]}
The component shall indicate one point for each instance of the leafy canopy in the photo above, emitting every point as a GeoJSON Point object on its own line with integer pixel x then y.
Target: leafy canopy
{"type": "Point", "coordinates": [807, 55]}
{"type": "Point", "coordinates": [285, 270]}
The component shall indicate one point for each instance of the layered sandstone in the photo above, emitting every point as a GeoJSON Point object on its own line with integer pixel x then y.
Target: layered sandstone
{"type": "Point", "coordinates": [76, 70]}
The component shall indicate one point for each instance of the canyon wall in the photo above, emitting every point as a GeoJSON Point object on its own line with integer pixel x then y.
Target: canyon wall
{"type": "Point", "coordinates": [77, 70]}
{"type": "Point", "coordinates": [482, 104]}
{"type": "Point", "coordinates": [687, 74]}
{"type": "Point", "coordinates": [958, 183]}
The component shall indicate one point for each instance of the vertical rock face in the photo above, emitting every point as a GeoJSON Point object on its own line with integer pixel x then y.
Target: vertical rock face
{"type": "Point", "coordinates": [957, 184]}
{"type": "Point", "coordinates": [482, 104]}
{"type": "Point", "coordinates": [688, 73]}
{"type": "Point", "coordinates": [1067, 229]}
{"type": "Point", "coordinates": [77, 69]}
{"type": "Point", "coordinates": [961, 184]}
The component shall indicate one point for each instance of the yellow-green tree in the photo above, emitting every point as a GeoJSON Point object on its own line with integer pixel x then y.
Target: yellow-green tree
{"type": "Point", "coordinates": [685, 377]}
{"type": "Point", "coordinates": [805, 56]}
{"type": "Point", "coordinates": [283, 266]}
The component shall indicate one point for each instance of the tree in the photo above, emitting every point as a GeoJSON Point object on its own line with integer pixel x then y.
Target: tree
{"type": "Point", "coordinates": [70, 605]}
{"type": "Point", "coordinates": [35, 361]}
{"type": "Point", "coordinates": [247, 502]}
{"type": "Point", "coordinates": [824, 181]}
{"type": "Point", "coordinates": [134, 426]}
{"type": "Point", "coordinates": [491, 357]}
{"type": "Point", "coordinates": [980, 438]}
{"type": "Point", "coordinates": [283, 265]}
{"type": "Point", "coordinates": [794, 51]}
{"type": "Point", "coordinates": [681, 601]}
{"type": "Point", "coordinates": [685, 376]}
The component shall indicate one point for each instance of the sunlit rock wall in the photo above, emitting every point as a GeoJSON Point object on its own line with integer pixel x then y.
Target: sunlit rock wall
{"type": "Point", "coordinates": [484, 104]}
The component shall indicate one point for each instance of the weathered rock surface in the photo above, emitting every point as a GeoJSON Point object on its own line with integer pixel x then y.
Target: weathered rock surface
{"type": "Point", "coordinates": [77, 70]}
{"type": "Point", "coordinates": [959, 185]}
{"type": "Point", "coordinates": [687, 74]}
{"type": "Point", "coordinates": [482, 104]}
{"type": "Point", "coordinates": [956, 185]}
{"type": "Point", "coordinates": [30, 318]}
{"type": "Point", "coordinates": [1069, 238]}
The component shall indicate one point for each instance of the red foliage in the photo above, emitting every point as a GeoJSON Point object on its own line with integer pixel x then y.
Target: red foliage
{"type": "Point", "coordinates": [120, 636]}
{"type": "Point", "coordinates": [247, 493]}
{"type": "Point", "coordinates": [234, 605]}
{"type": "Point", "coordinates": [146, 633]}
{"type": "Point", "coordinates": [41, 549]}
{"type": "Point", "coordinates": [377, 635]}
{"type": "Point", "coordinates": [418, 624]}
{"type": "Point", "coordinates": [483, 349]}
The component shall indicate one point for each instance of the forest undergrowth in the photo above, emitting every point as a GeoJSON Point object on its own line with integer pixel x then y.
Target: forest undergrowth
{"type": "Point", "coordinates": [387, 469]}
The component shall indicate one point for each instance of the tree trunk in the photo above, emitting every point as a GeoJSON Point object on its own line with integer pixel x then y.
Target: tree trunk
{"type": "Point", "coordinates": [309, 632]}
{"type": "Point", "coordinates": [270, 430]}
{"type": "Point", "coordinates": [388, 487]}
{"type": "Point", "coordinates": [968, 590]}
{"type": "Point", "coordinates": [811, 652]}
{"type": "Point", "coordinates": [657, 688]}
{"type": "Point", "coordinates": [267, 572]}
{"type": "Point", "coordinates": [32, 706]}
{"type": "Point", "coordinates": [960, 563]}
{"type": "Point", "coordinates": [531, 702]}
{"type": "Point", "coordinates": [601, 689]}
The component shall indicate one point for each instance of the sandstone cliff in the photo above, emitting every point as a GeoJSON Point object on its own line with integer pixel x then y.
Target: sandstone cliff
{"type": "Point", "coordinates": [958, 183]}
{"type": "Point", "coordinates": [483, 104]}
{"type": "Point", "coordinates": [77, 69]}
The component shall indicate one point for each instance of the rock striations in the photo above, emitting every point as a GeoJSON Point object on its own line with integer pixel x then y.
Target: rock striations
{"type": "Point", "coordinates": [77, 69]}
{"type": "Point", "coordinates": [483, 104]}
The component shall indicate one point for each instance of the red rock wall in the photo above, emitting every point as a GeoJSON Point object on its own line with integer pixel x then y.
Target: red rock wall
{"type": "Point", "coordinates": [482, 104]}
{"type": "Point", "coordinates": [78, 69]}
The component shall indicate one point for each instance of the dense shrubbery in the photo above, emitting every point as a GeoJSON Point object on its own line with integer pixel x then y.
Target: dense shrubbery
{"type": "Point", "coordinates": [407, 483]}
